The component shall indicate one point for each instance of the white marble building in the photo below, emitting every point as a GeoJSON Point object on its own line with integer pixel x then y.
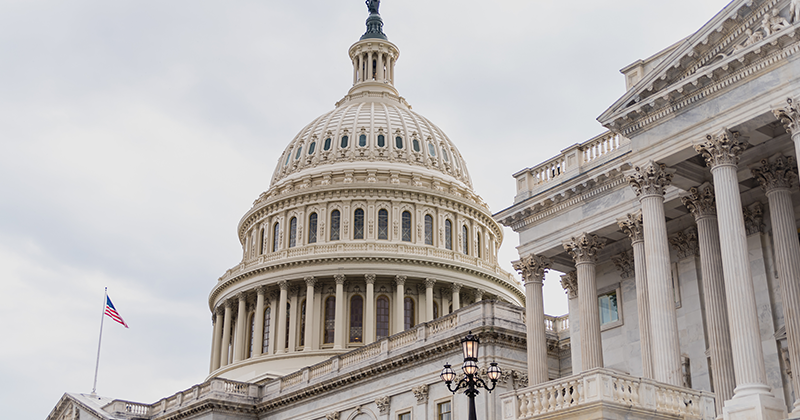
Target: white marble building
{"type": "Point", "coordinates": [677, 230]}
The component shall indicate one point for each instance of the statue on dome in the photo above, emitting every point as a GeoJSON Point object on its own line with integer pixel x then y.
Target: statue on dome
{"type": "Point", "coordinates": [373, 6]}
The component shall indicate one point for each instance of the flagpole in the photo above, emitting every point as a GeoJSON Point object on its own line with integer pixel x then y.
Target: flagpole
{"type": "Point", "coordinates": [102, 318]}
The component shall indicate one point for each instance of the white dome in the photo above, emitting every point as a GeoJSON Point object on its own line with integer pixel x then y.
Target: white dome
{"type": "Point", "coordinates": [372, 127]}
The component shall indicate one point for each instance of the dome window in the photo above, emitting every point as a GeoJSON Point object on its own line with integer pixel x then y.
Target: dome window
{"type": "Point", "coordinates": [345, 139]}
{"type": "Point", "coordinates": [299, 151]}
{"type": "Point", "coordinates": [406, 226]}
{"type": "Point", "coordinates": [327, 145]}
{"type": "Point", "coordinates": [358, 224]}
{"type": "Point", "coordinates": [398, 142]}
{"type": "Point", "coordinates": [288, 157]}
{"type": "Point", "coordinates": [444, 155]}
{"type": "Point", "coordinates": [381, 140]}
{"type": "Point", "coordinates": [362, 140]}
{"type": "Point", "coordinates": [448, 234]}
{"type": "Point", "coordinates": [415, 145]}
{"type": "Point", "coordinates": [312, 147]}
{"type": "Point", "coordinates": [431, 149]}
{"type": "Point", "coordinates": [383, 224]}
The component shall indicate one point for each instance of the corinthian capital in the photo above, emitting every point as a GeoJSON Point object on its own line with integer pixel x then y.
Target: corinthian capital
{"type": "Point", "coordinates": [775, 173]}
{"type": "Point", "coordinates": [400, 280]}
{"type": "Point", "coordinates": [685, 243]}
{"type": "Point", "coordinates": [429, 282]}
{"type": "Point", "coordinates": [625, 263]}
{"type": "Point", "coordinates": [283, 284]}
{"type": "Point", "coordinates": [650, 179]}
{"type": "Point", "coordinates": [583, 249]}
{"type": "Point", "coordinates": [310, 281]}
{"type": "Point", "coordinates": [532, 267]}
{"type": "Point", "coordinates": [339, 278]}
{"type": "Point", "coordinates": [369, 278]}
{"type": "Point", "coordinates": [789, 116]}
{"type": "Point", "coordinates": [569, 282]}
{"type": "Point", "coordinates": [633, 227]}
{"type": "Point", "coordinates": [701, 201]}
{"type": "Point", "coordinates": [753, 218]}
{"type": "Point", "coordinates": [721, 149]}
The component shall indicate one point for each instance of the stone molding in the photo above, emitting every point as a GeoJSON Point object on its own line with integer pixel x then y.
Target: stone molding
{"type": "Point", "coordinates": [685, 243]}
{"type": "Point", "coordinates": [701, 201]}
{"type": "Point", "coordinates": [650, 179]}
{"type": "Point", "coordinates": [775, 173]}
{"type": "Point", "coordinates": [332, 416]}
{"type": "Point", "coordinates": [721, 149]}
{"type": "Point", "coordinates": [569, 282]}
{"type": "Point", "coordinates": [789, 116]}
{"type": "Point", "coordinates": [420, 393]}
{"type": "Point", "coordinates": [383, 404]}
{"type": "Point", "coordinates": [632, 226]}
{"type": "Point", "coordinates": [624, 263]}
{"type": "Point", "coordinates": [753, 218]}
{"type": "Point", "coordinates": [584, 248]}
{"type": "Point", "coordinates": [533, 267]}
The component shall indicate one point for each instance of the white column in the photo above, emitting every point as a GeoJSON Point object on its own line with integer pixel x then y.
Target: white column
{"type": "Point", "coordinates": [309, 333]}
{"type": "Point", "coordinates": [370, 75]}
{"type": "Point", "coordinates": [633, 227]}
{"type": "Point", "coordinates": [532, 268]}
{"type": "Point", "coordinates": [569, 282]}
{"type": "Point", "coordinates": [339, 325]}
{"type": "Point", "coordinates": [294, 319]}
{"type": "Point", "coordinates": [479, 295]}
{"type": "Point", "coordinates": [273, 321]}
{"type": "Point", "coordinates": [280, 311]}
{"type": "Point", "coordinates": [649, 183]}
{"type": "Point", "coordinates": [226, 335]}
{"type": "Point", "coordinates": [258, 333]}
{"type": "Point", "coordinates": [445, 301]}
{"type": "Point", "coordinates": [217, 339]}
{"type": "Point", "coordinates": [583, 250]}
{"type": "Point", "coordinates": [429, 282]}
{"type": "Point", "coordinates": [456, 288]}
{"type": "Point", "coordinates": [752, 394]}
{"type": "Point", "coordinates": [369, 321]}
{"type": "Point", "coordinates": [399, 312]}
{"type": "Point", "coordinates": [381, 73]}
{"type": "Point", "coordinates": [355, 70]}
{"type": "Point", "coordinates": [239, 338]}
{"type": "Point", "coordinates": [775, 176]}
{"type": "Point", "coordinates": [701, 203]}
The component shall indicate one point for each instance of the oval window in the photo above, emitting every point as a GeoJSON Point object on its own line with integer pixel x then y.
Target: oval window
{"type": "Point", "coordinates": [415, 144]}
{"type": "Point", "coordinates": [312, 147]}
{"type": "Point", "coordinates": [431, 150]}
{"type": "Point", "coordinates": [381, 140]}
{"type": "Point", "coordinates": [288, 156]}
{"type": "Point", "coordinates": [398, 142]}
{"type": "Point", "coordinates": [297, 155]}
{"type": "Point", "coordinates": [344, 141]}
{"type": "Point", "coordinates": [444, 155]}
{"type": "Point", "coordinates": [327, 145]}
{"type": "Point", "coordinates": [362, 140]}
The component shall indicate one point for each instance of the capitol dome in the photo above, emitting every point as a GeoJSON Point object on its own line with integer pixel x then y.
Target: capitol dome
{"type": "Point", "coordinates": [369, 227]}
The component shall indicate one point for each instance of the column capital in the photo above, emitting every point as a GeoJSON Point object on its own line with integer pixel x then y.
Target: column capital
{"type": "Point", "coordinates": [625, 263]}
{"type": "Point", "coordinates": [339, 278]}
{"type": "Point", "coordinates": [632, 226]}
{"type": "Point", "coordinates": [775, 173]}
{"type": "Point", "coordinates": [789, 116]}
{"type": "Point", "coordinates": [229, 304]}
{"type": "Point", "coordinates": [532, 267]}
{"type": "Point", "coordinates": [721, 149]}
{"type": "Point", "coordinates": [685, 243]}
{"type": "Point", "coordinates": [369, 278]}
{"type": "Point", "coordinates": [261, 290]}
{"type": "Point", "coordinates": [283, 285]}
{"type": "Point", "coordinates": [569, 282]}
{"type": "Point", "coordinates": [650, 179]}
{"type": "Point", "coordinates": [429, 282]}
{"type": "Point", "coordinates": [456, 287]}
{"type": "Point", "coordinates": [273, 294]}
{"type": "Point", "coordinates": [479, 294]}
{"type": "Point", "coordinates": [584, 248]}
{"type": "Point", "coordinates": [311, 281]}
{"type": "Point", "coordinates": [701, 201]}
{"type": "Point", "coordinates": [242, 296]}
{"type": "Point", "coordinates": [753, 218]}
{"type": "Point", "coordinates": [400, 280]}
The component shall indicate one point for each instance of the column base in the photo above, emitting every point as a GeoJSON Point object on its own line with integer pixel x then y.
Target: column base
{"type": "Point", "coordinates": [754, 403]}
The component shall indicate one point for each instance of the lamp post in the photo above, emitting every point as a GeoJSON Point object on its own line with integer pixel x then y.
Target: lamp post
{"type": "Point", "coordinates": [470, 383]}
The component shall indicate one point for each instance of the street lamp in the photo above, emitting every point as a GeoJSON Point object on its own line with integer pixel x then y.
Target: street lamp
{"type": "Point", "coordinates": [471, 383]}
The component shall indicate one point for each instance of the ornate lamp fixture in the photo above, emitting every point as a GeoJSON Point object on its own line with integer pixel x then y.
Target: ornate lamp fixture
{"type": "Point", "coordinates": [470, 383]}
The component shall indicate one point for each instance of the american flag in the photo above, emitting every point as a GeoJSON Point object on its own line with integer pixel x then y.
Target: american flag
{"type": "Point", "coordinates": [112, 312]}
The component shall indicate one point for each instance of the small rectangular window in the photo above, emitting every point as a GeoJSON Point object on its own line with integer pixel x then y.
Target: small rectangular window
{"type": "Point", "coordinates": [404, 416]}
{"type": "Point", "coordinates": [443, 411]}
{"type": "Point", "coordinates": [609, 311]}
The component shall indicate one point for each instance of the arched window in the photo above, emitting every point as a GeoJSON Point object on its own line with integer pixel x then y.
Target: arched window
{"type": "Point", "coordinates": [398, 142]}
{"type": "Point", "coordinates": [252, 334]}
{"type": "Point", "coordinates": [265, 347]}
{"type": "Point", "coordinates": [406, 228]}
{"type": "Point", "coordinates": [327, 145]}
{"type": "Point", "coordinates": [358, 224]}
{"type": "Point", "coordinates": [478, 250]}
{"type": "Point", "coordinates": [292, 232]}
{"type": "Point", "coordinates": [276, 233]}
{"type": "Point", "coordinates": [261, 247]}
{"type": "Point", "coordinates": [428, 229]}
{"type": "Point", "coordinates": [335, 220]}
{"type": "Point", "coordinates": [465, 240]}
{"type": "Point", "coordinates": [362, 140]}
{"type": "Point", "coordinates": [448, 234]}
{"type": "Point", "coordinates": [330, 320]}
{"type": "Point", "coordinates": [288, 315]}
{"type": "Point", "coordinates": [381, 140]}
{"type": "Point", "coordinates": [356, 319]}
{"type": "Point", "coordinates": [303, 323]}
{"type": "Point", "coordinates": [383, 224]}
{"type": "Point", "coordinates": [382, 311]}
{"type": "Point", "coordinates": [408, 313]}
{"type": "Point", "coordinates": [312, 228]}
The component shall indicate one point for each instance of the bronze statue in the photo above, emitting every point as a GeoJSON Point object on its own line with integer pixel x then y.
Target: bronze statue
{"type": "Point", "coordinates": [373, 6]}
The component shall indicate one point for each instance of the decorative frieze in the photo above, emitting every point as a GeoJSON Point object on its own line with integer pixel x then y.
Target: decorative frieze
{"type": "Point", "coordinates": [569, 282]}
{"type": "Point", "coordinates": [584, 248]}
{"type": "Point", "coordinates": [700, 201]}
{"type": "Point", "coordinates": [723, 148]}
{"type": "Point", "coordinates": [650, 179]}
{"type": "Point", "coordinates": [685, 243]}
{"type": "Point", "coordinates": [532, 267]}
{"type": "Point", "coordinates": [774, 173]}
{"type": "Point", "coordinates": [633, 227]}
{"type": "Point", "coordinates": [625, 264]}
{"type": "Point", "coordinates": [753, 218]}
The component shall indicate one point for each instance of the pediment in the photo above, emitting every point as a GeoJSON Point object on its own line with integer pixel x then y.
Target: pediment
{"type": "Point", "coordinates": [746, 38]}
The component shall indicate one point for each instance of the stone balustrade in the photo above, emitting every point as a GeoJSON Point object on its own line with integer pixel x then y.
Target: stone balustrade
{"type": "Point", "coordinates": [597, 392]}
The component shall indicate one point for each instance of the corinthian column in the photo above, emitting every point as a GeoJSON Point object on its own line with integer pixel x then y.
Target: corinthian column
{"type": "Point", "coordinates": [280, 340]}
{"type": "Point", "coordinates": [722, 152]}
{"type": "Point", "coordinates": [701, 203]}
{"type": "Point", "coordinates": [399, 313]}
{"type": "Point", "coordinates": [532, 268]}
{"type": "Point", "coordinates": [239, 339]}
{"type": "Point", "coordinates": [583, 250]}
{"type": "Point", "coordinates": [775, 176]}
{"type": "Point", "coordinates": [569, 282]}
{"type": "Point", "coordinates": [226, 335]}
{"type": "Point", "coordinates": [429, 282]}
{"type": "Point", "coordinates": [309, 333]}
{"type": "Point", "coordinates": [634, 228]}
{"type": "Point", "coordinates": [790, 117]}
{"type": "Point", "coordinates": [369, 321]}
{"type": "Point", "coordinates": [649, 183]}
{"type": "Point", "coordinates": [258, 329]}
{"type": "Point", "coordinates": [338, 332]}
{"type": "Point", "coordinates": [217, 339]}
{"type": "Point", "coordinates": [456, 300]}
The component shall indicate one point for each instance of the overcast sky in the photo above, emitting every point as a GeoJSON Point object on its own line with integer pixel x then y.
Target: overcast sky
{"type": "Point", "coordinates": [135, 134]}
